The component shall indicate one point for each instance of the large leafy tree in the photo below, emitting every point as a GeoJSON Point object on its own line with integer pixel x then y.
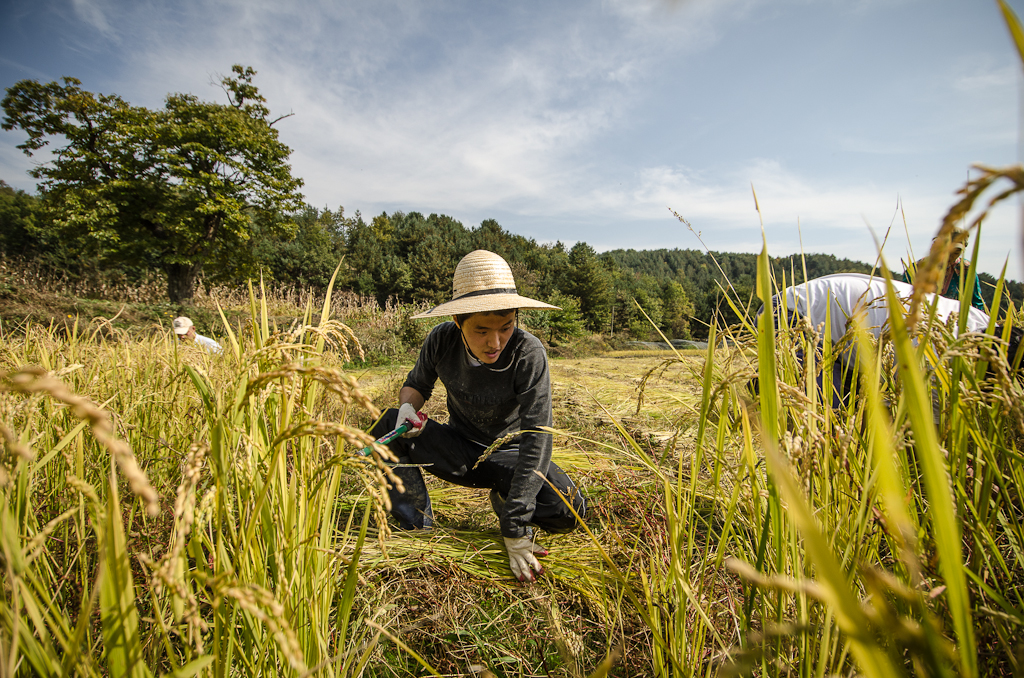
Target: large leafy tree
{"type": "Point", "coordinates": [179, 188]}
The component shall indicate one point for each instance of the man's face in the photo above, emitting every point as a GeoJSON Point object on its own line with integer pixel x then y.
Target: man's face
{"type": "Point", "coordinates": [188, 336]}
{"type": "Point", "coordinates": [488, 334]}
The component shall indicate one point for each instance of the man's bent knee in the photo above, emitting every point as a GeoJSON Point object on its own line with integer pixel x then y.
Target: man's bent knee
{"type": "Point", "coordinates": [562, 520]}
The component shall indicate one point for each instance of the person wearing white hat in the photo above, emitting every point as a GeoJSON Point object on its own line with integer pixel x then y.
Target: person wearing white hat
{"type": "Point", "coordinates": [186, 331]}
{"type": "Point", "coordinates": [498, 388]}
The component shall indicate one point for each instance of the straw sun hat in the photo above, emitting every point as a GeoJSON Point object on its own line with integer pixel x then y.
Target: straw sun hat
{"type": "Point", "coordinates": [958, 237]}
{"type": "Point", "coordinates": [483, 282]}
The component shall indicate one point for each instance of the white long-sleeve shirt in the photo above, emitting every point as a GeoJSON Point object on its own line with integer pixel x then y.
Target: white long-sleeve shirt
{"type": "Point", "coordinates": [209, 344]}
{"type": "Point", "coordinates": [844, 293]}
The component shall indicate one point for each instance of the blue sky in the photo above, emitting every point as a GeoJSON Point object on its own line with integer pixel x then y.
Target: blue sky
{"type": "Point", "coordinates": [588, 120]}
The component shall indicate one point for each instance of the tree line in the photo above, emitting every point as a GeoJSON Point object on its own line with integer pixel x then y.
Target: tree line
{"type": "Point", "coordinates": [205, 189]}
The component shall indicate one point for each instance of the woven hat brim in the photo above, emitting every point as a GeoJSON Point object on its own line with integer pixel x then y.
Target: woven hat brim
{"type": "Point", "coordinates": [484, 302]}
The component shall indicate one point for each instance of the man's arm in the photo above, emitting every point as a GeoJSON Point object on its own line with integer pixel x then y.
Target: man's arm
{"type": "Point", "coordinates": [410, 395]}
{"type": "Point", "coordinates": [533, 386]}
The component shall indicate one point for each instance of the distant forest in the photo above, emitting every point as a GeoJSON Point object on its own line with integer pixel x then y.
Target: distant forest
{"type": "Point", "coordinates": [701, 276]}
{"type": "Point", "coordinates": [410, 257]}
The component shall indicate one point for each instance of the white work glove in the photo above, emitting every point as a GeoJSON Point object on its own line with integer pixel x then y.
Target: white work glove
{"type": "Point", "coordinates": [522, 558]}
{"type": "Point", "coordinates": [408, 413]}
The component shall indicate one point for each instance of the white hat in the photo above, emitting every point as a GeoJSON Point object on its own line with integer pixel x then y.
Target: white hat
{"type": "Point", "coordinates": [181, 324]}
{"type": "Point", "coordinates": [483, 282]}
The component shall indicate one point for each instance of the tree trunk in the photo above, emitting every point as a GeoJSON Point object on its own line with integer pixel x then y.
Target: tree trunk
{"type": "Point", "coordinates": [181, 282]}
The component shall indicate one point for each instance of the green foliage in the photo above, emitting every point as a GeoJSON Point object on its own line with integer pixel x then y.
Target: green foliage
{"type": "Point", "coordinates": [557, 326]}
{"type": "Point", "coordinates": [307, 258]}
{"type": "Point", "coordinates": [704, 276]}
{"type": "Point", "coordinates": [677, 309]}
{"type": "Point", "coordinates": [412, 257]}
{"type": "Point", "coordinates": [1012, 291]}
{"type": "Point", "coordinates": [433, 248]}
{"type": "Point", "coordinates": [177, 189]}
{"type": "Point", "coordinates": [19, 221]}
{"type": "Point", "coordinates": [589, 280]}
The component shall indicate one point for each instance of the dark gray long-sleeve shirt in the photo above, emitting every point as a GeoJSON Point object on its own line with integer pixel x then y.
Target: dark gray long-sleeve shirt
{"type": "Point", "coordinates": [487, 402]}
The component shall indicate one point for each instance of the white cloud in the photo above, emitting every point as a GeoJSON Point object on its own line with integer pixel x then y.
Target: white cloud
{"type": "Point", "coordinates": [826, 217]}
{"type": "Point", "coordinates": [94, 14]}
{"type": "Point", "coordinates": [473, 122]}
{"type": "Point", "coordinates": [987, 77]}
{"type": "Point", "coordinates": [15, 164]}
{"type": "Point", "coordinates": [23, 70]}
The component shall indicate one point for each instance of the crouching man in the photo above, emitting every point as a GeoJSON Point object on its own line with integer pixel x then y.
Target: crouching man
{"type": "Point", "coordinates": [496, 377]}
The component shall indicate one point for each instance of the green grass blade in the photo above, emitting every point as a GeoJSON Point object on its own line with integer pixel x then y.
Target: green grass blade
{"type": "Point", "coordinates": [405, 648]}
{"type": "Point", "coordinates": [892, 485]}
{"type": "Point", "coordinates": [254, 316]}
{"type": "Point", "coordinates": [767, 381]}
{"type": "Point", "coordinates": [119, 618]}
{"type": "Point", "coordinates": [1016, 31]}
{"type": "Point", "coordinates": [235, 347]}
{"type": "Point", "coordinates": [325, 312]}
{"type": "Point", "coordinates": [264, 313]}
{"type": "Point", "coordinates": [871, 658]}
{"type": "Point", "coordinates": [193, 667]}
{"type": "Point", "coordinates": [942, 510]}
{"type": "Point", "coordinates": [204, 389]}
{"type": "Point", "coordinates": [351, 579]}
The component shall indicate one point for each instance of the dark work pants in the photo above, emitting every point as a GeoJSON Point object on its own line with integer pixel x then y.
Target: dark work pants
{"type": "Point", "coordinates": [842, 378]}
{"type": "Point", "coordinates": [451, 457]}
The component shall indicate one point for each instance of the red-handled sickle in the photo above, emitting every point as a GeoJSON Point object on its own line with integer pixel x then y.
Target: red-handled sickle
{"type": "Point", "coordinates": [406, 426]}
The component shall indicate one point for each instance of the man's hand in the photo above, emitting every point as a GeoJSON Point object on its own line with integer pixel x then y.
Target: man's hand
{"type": "Point", "coordinates": [408, 413]}
{"type": "Point", "coordinates": [522, 558]}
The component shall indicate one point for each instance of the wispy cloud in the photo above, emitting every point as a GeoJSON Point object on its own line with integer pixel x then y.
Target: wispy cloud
{"type": "Point", "coordinates": [15, 164]}
{"type": "Point", "coordinates": [987, 77]}
{"type": "Point", "coordinates": [23, 70]}
{"type": "Point", "coordinates": [826, 217]}
{"type": "Point", "coordinates": [94, 14]}
{"type": "Point", "coordinates": [403, 112]}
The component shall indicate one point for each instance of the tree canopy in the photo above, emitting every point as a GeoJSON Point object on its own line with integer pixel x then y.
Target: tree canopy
{"type": "Point", "coordinates": [179, 188]}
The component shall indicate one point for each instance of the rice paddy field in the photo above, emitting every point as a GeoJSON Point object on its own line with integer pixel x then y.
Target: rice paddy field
{"type": "Point", "coordinates": [170, 512]}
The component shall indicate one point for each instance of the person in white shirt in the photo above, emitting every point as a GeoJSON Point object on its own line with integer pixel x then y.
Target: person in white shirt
{"type": "Point", "coordinates": [844, 294]}
{"type": "Point", "coordinates": [186, 331]}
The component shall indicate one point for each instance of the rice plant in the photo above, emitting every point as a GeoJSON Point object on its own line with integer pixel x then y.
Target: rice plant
{"type": "Point", "coordinates": [249, 567]}
{"type": "Point", "coordinates": [880, 536]}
